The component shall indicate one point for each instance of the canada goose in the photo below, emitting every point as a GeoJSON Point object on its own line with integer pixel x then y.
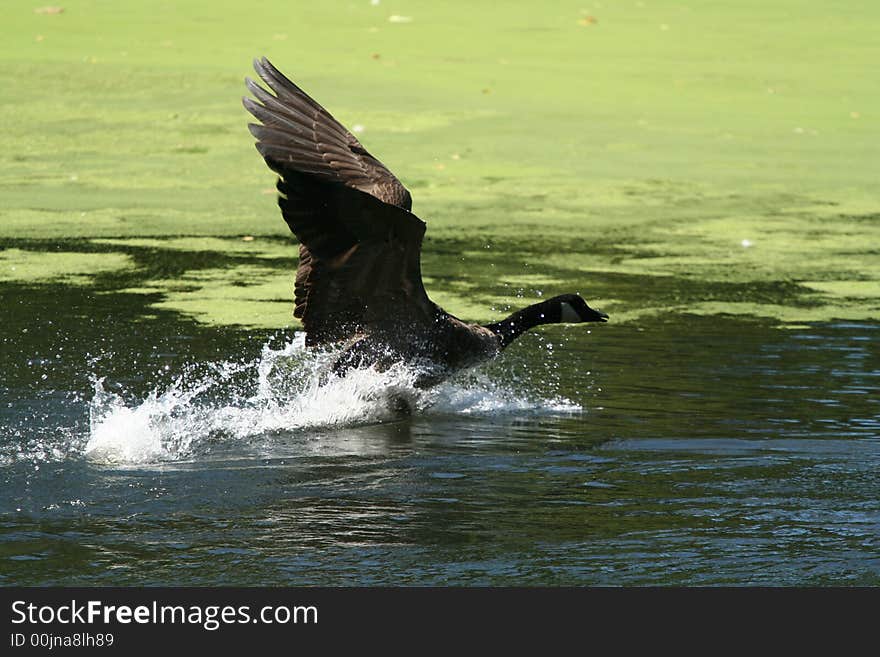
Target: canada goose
{"type": "Point", "coordinates": [359, 281]}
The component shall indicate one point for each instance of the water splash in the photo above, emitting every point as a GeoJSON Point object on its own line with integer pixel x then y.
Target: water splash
{"type": "Point", "coordinates": [283, 390]}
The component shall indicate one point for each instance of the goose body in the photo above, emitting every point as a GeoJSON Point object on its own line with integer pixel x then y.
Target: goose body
{"type": "Point", "coordinates": [358, 283]}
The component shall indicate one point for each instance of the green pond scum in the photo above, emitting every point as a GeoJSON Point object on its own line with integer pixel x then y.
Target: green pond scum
{"type": "Point", "coordinates": [721, 155]}
{"type": "Point", "coordinates": [704, 171]}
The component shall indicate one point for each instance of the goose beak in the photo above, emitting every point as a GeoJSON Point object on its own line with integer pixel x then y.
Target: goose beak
{"type": "Point", "coordinates": [596, 316]}
{"type": "Point", "coordinates": [602, 316]}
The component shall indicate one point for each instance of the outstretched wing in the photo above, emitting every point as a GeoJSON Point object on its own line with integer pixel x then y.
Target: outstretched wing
{"type": "Point", "coordinates": [359, 244]}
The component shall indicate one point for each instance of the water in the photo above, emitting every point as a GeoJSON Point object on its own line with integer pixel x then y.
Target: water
{"type": "Point", "coordinates": [681, 450]}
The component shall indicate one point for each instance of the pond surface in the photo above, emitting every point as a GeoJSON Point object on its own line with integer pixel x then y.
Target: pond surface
{"type": "Point", "coordinates": [676, 450]}
{"type": "Point", "coordinates": [713, 190]}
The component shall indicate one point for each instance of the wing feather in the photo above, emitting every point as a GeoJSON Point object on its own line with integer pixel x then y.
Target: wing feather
{"type": "Point", "coordinates": [300, 127]}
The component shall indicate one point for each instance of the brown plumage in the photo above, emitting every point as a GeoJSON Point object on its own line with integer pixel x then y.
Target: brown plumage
{"type": "Point", "coordinates": [359, 278]}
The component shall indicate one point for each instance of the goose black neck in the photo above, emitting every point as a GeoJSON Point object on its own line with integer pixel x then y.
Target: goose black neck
{"type": "Point", "coordinates": [509, 329]}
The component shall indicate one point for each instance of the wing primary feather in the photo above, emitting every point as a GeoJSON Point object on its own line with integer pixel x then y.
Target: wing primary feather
{"type": "Point", "coordinates": [294, 120]}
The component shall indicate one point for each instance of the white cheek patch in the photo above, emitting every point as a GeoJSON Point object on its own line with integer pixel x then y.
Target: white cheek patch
{"type": "Point", "coordinates": [569, 314]}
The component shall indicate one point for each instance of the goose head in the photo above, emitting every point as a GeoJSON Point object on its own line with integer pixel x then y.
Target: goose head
{"type": "Point", "coordinates": [573, 310]}
{"type": "Point", "coordinates": [564, 309]}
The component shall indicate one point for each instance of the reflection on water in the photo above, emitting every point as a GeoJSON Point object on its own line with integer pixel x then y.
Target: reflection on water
{"type": "Point", "coordinates": [683, 451]}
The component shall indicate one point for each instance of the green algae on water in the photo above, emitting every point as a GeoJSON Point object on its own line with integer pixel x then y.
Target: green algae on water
{"type": "Point", "coordinates": [728, 165]}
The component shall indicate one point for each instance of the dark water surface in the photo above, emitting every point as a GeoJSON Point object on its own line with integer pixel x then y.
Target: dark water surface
{"type": "Point", "coordinates": [687, 450]}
